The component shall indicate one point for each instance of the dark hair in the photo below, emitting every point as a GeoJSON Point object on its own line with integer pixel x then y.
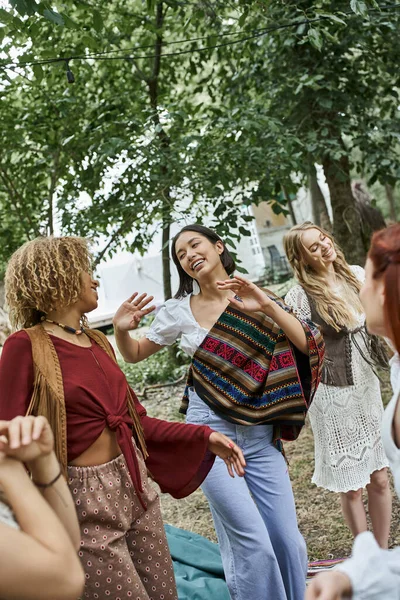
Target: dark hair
{"type": "Point", "coordinates": [185, 281]}
{"type": "Point", "coordinates": [385, 256]}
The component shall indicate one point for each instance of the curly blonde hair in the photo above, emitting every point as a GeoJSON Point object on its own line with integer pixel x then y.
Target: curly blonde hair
{"type": "Point", "coordinates": [333, 308]}
{"type": "Point", "coordinates": [45, 275]}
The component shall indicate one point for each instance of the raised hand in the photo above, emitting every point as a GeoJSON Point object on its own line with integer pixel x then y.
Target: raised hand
{"type": "Point", "coordinates": [251, 297]}
{"type": "Point", "coordinates": [222, 446]}
{"type": "Point", "coordinates": [131, 311]}
{"type": "Point", "coordinates": [26, 438]}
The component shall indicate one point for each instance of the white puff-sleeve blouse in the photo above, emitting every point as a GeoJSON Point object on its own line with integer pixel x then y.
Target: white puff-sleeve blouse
{"type": "Point", "coordinates": [375, 573]}
{"type": "Point", "coordinates": [175, 321]}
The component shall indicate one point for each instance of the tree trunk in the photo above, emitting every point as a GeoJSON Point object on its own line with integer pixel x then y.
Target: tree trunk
{"type": "Point", "coordinates": [153, 87]}
{"type": "Point", "coordinates": [290, 205]}
{"type": "Point", "coordinates": [347, 226]}
{"type": "Point", "coordinates": [320, 211]}
{"type": "Point", "coordinates": [391, 201]}
{"type": "Point", "coordinates": [52, 190]}
{"type": "Point", "coordinates": [166, 262]}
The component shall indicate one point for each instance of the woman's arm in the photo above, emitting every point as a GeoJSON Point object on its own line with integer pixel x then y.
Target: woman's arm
{"type": "Point", "coordinates": [30, 440]}
{"type": "Point", "coordinates": [289, 324]}
{"type": "Point", "coordinates": [133, 351]}
{"type": "Point", "coordinates": [16, 376]}
{"type": "Point", "coordinates": [253, 299]}
{"type": "Point", "coordinates": [58, 496]}
{"type": "Point", "coordinates": [370, 574]}
{"type": "Point", "coordinates": [38, 561]}
{"type": "Point", "coordinates": [329, 586]}
{"type": "Point", "coordinates": [127, 318]}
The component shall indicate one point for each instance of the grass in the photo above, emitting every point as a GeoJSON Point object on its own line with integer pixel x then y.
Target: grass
{"type": "Point", "coordinates": [318, 511]}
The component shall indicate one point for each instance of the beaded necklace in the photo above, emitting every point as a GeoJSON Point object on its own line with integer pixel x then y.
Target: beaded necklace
{"type": "Point", "coordinates": [65, 327]}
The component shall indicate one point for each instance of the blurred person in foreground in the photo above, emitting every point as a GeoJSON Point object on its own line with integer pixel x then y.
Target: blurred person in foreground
{"type": "Point", "coordinates": [39, 530]}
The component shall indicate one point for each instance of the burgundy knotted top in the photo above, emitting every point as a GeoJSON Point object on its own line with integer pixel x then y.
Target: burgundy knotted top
{"type": "Point", "coordinates": [95, 391]}
{"type": "Point", "coordinates": [114, 421]}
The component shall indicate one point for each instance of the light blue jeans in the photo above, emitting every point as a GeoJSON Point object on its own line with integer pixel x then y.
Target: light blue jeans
{"type": "Point", "coordinates": [263, 552]}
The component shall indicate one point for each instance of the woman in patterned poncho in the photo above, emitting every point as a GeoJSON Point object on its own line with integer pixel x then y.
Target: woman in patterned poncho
{"type": "Point", "coordinates": [255, 368]}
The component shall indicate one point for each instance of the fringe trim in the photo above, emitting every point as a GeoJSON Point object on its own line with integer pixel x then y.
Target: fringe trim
{"type": "Point", "coordinates": [42, 403]}
{"type": "Point", "coordinates": [137, 427]}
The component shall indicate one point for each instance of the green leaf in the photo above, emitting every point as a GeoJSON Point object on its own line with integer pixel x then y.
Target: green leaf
{"type": "Point", "coordinates": [315, 38]}
{"type": "Point", "coordinates": [359, 7]}
{"type": "Point", "coordinates": [68, 139]}
{"type": "Point", "coordinates": [53, 16]}
{"type": "Point", "coordinates": [244, 231]}
{"type": "Point", "coordinates": [242, 18]}
{"type": "Point", "coordinates": [331, 17]}
{"type": "Point", "coordinates": [241, 270]}
{"type": "Point", "coordinates": [97, 21]}
{"type": "Point", "coordinates": [20, 6]}
{"type": "Point", "coordinates": [68, 22]}
{"type": "Point", "coordinates": [38, 72]}
{"type": "Point", "coordinates": [89, 42]}
{"type": "Point", "coordinates": [325, 102]}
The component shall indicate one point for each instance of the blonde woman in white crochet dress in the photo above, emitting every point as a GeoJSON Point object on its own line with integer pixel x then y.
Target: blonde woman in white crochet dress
{"type": "Point", "coordinates": [347, 409]}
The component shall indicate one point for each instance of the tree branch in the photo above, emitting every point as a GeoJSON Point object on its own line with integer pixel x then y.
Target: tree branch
{"type": "Point", "coordinates": [123, 229]}
{"type": "Point", "coordinates": [52, 189]}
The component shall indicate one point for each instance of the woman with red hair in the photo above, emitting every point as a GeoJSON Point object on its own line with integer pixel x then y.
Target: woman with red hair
{"type": "Point", "coordinates": [372, 573]}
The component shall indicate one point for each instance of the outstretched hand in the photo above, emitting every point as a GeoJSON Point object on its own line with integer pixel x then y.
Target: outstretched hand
{"type": "Point", "coordinates": [130, 313]}
{"type": "Point", "coordinates": [248, 296]}
{"type": "Point", "coordinates": [26, 438]}
{"type": "Point", "coordinates": [231, 454]}
{"type": "Point", "coordinates": [329, 586]}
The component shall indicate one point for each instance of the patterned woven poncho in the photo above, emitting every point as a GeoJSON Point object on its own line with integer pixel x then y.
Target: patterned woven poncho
{"type": "Point", "coordinates": [247, 371]}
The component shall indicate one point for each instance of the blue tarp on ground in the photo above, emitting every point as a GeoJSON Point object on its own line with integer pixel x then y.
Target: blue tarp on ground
{"type": "Point", "coordinates": [197, 566]}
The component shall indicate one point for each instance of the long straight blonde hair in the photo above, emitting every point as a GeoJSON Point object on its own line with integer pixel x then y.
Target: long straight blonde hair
{"type": "Point", "coordinates": [333, 308]}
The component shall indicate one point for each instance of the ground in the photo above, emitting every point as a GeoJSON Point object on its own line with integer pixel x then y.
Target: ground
{"type": "Point", "coordinates": [318, 511]}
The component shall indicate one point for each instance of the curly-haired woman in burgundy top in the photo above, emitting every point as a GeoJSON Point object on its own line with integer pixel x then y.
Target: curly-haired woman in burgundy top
{"type": "Point", "coordinates": [57, 367]}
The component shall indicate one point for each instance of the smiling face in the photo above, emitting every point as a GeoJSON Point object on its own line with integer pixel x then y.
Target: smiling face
{"type": "Point", "coordinates": [319, 251]}
{"type": "Point", "coordinates": [372, 296]}
{"type": "Point", "coordinates": [88, 297]}
{"type": "Point", "coordinates": [198, 256]}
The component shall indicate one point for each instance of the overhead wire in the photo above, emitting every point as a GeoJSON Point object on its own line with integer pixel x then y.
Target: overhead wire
{"type": "Point", "coordinates": [256, 33]}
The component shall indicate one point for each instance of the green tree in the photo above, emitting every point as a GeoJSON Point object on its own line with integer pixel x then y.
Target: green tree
{"type": "Point", "coordinates": [331, 84]}
{"type": "Point", "coordinates": [150, 119]}
{"type": "Point", "coordinates": [189, 133]}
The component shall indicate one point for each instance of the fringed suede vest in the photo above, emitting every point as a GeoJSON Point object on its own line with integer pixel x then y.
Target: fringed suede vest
{"type": "Point", "coordinates": [48, 390]}
{"type": "Point", "coordinates": [337, 366]}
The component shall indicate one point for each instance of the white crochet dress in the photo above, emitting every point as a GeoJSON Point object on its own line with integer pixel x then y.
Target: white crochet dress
{"type": "Point", "coordinates": [346, 421]}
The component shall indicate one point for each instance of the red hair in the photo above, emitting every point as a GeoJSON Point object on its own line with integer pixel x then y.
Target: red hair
{"type": "Point", "coordinates": [385, 256]}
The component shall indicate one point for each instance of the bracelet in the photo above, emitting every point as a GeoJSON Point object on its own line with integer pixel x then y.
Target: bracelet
{"type": "Point", "coordinates": [47, 485]}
